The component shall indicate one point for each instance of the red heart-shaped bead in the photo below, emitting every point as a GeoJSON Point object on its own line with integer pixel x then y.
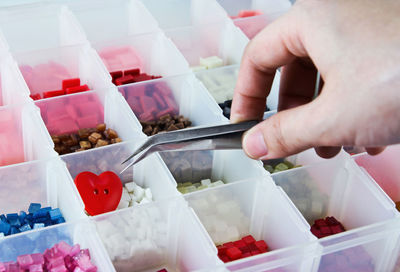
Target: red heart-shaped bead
{"type": "Point", "coordinates": [99, 193]}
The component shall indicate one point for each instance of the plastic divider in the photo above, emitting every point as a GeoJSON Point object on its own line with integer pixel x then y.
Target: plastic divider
{"type": "Point", "coordinates": [221, 82]}
{"type": "Point", "coordinates": [45, 182]}
{"type": "Point", "coordinates": [167, 231]}
{"type": "Point", "coordinates": [181, 13]}
{"type": "Point", "coordinates": [13, 89]}
{"type": "Point", "coordinates": [149, 173]}
{"type": "Point", "coordinates": [44, 70]}
{"type": "Point", "coordinates": [220, 39]}
{"type": "Point", "coordinates": [82, 232]}
{"type": "Point", "coordinates": [255, 207]}
{"type": "Point", "coordinates": [3, 43]}
{"type": "Point", "coordinates": [366, 249]}
{"type": "Point", "coordinates": [68, 114]}
{"type": "Point", "coordinates": [20, 134]}
{"type": "Point", "coordinates": [298, 258]}
{"type": "Point", "coordinates": [333, 253]}
{"type": "Point", "coordinates": [267, 11]}
{"type": "Point", "coordinates": [225, 165]}
{"type": "Point", "coordinates": [338, 188]}
{"type": "Point", "coordinates": [310, 157]}
{"type": "Point", "coordinates": [166, 236]}
{"type": "Point", "coordinates": [116, 19]}
{"type": "Point", "coordinates": [190, 99]}
{"type": "Point", "coordinates": [39, 26]}
{"type": "Point", "coordinates": [335, 188]}
{"type": "Point", "coordinates": [384, 169]}
{"type": "Point", "coordinates": [152, 53]}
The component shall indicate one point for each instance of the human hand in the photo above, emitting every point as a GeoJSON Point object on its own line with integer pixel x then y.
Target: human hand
{"type": "Point", "coordinates": [356, 47]}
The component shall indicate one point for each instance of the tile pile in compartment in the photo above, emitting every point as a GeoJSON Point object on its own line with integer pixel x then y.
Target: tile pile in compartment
{"type": "Point", "coordinates": [62, 92]}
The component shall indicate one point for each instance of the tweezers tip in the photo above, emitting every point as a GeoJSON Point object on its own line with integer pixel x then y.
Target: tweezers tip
{"type": "Point", "coordinates": [125, 160]}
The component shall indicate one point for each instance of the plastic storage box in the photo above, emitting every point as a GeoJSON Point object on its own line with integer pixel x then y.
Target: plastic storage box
{"type": "Point", "coordinates": [176, 232]}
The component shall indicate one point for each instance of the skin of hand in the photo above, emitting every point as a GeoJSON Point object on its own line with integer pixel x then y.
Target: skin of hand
{"type": "Point", "coordinates": [356, 47]}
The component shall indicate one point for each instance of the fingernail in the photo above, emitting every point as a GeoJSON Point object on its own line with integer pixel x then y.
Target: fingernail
{"type": "Point", "coordinates": [254, 144]}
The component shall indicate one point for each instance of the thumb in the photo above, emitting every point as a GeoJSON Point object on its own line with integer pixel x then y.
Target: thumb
{"type": "Point", "coordinates": [289, 132]}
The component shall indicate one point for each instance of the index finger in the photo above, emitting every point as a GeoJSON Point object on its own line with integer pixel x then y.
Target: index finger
{"type": "Point", "coordinates": [278, 44]}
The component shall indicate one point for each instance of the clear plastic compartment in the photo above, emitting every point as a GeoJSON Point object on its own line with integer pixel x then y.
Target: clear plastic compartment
{"type": "Point", "coordinates": [68, 114]}
{"type": "Point", "coordinates": [251, 16]}
{"type": "Point", "coordinates": [22, 135]}
{"type": "Point", "coordinates": [223, 165]}
{"type": "Point", "coordinates": [307, 157]}
{"type": "Point", "coordinates": [221, 84]}
{"type": "Point", "coordinates": [13, 89]}
{"type": "Point", "coordinates": [310, 157]}
{"type": "Point", "coordinates": [221, 39]}
{"type": "Point", "coordinates": [252, 207]}
{"type": "Point", "coordinates": [341, 189]}
{"type": "Point", "coordinates": [39, 26]}
{"type": "Point", "coordinates": [296, 258]}
{"type": "Point", "coordinates": [148, 173]}
{"type": "Point", "coordinates": [384, 169]}
{"type": "Point", "coordinates": [336, 188]}
{"type": "Point", "coordinates": [155, 236]}
{"type": "Point", "coordinates": [369, 248]}
{"type": "Point", "coordinates": [180, 13]}
{"type": "Point", "coordinates": [116, 19]}
{"type": "Point", "coordinates": [46, 182]}
{"type": "Point", "coordinates": [347, 252]}
{"type": "Point", "coordinates": [81, 232]}
{"type": "Point", "coordinates": [45, 70]}
{"type": "Point", "coordinates": [153, 54]}
{"type": "Point", "coordinates": [182, 95]}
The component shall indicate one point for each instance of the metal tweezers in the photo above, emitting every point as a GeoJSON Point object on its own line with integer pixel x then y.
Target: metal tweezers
{"type": "Point", "coordinates": [227, 136]}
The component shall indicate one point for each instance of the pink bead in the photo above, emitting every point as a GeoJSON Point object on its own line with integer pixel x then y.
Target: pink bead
{"type": "Point", "coordinates": [36, 268]}
{"type": "Point", "coordinates": [2, 267]}
{"type": "Point", "coordinates": [64, 248]}
{"type": "Point", "coordinates": [55, 262]}
{"type": "Point", "coordinates": [60, 268]}
{"type": "Point", "coordinates": [82, 260]}
{"type": "Point", "coordinates": [75, 250]}
{"type": "Point", "coordinates": [12, 267]}
{"type": "Point", "coordinates": [85, 252]}
{"type": "Point", "coordinates": [25, 261]}
{"type": "Point", "coordinates": [37, 258]}
{"type": "Point", "coordinates": [69, 263]}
